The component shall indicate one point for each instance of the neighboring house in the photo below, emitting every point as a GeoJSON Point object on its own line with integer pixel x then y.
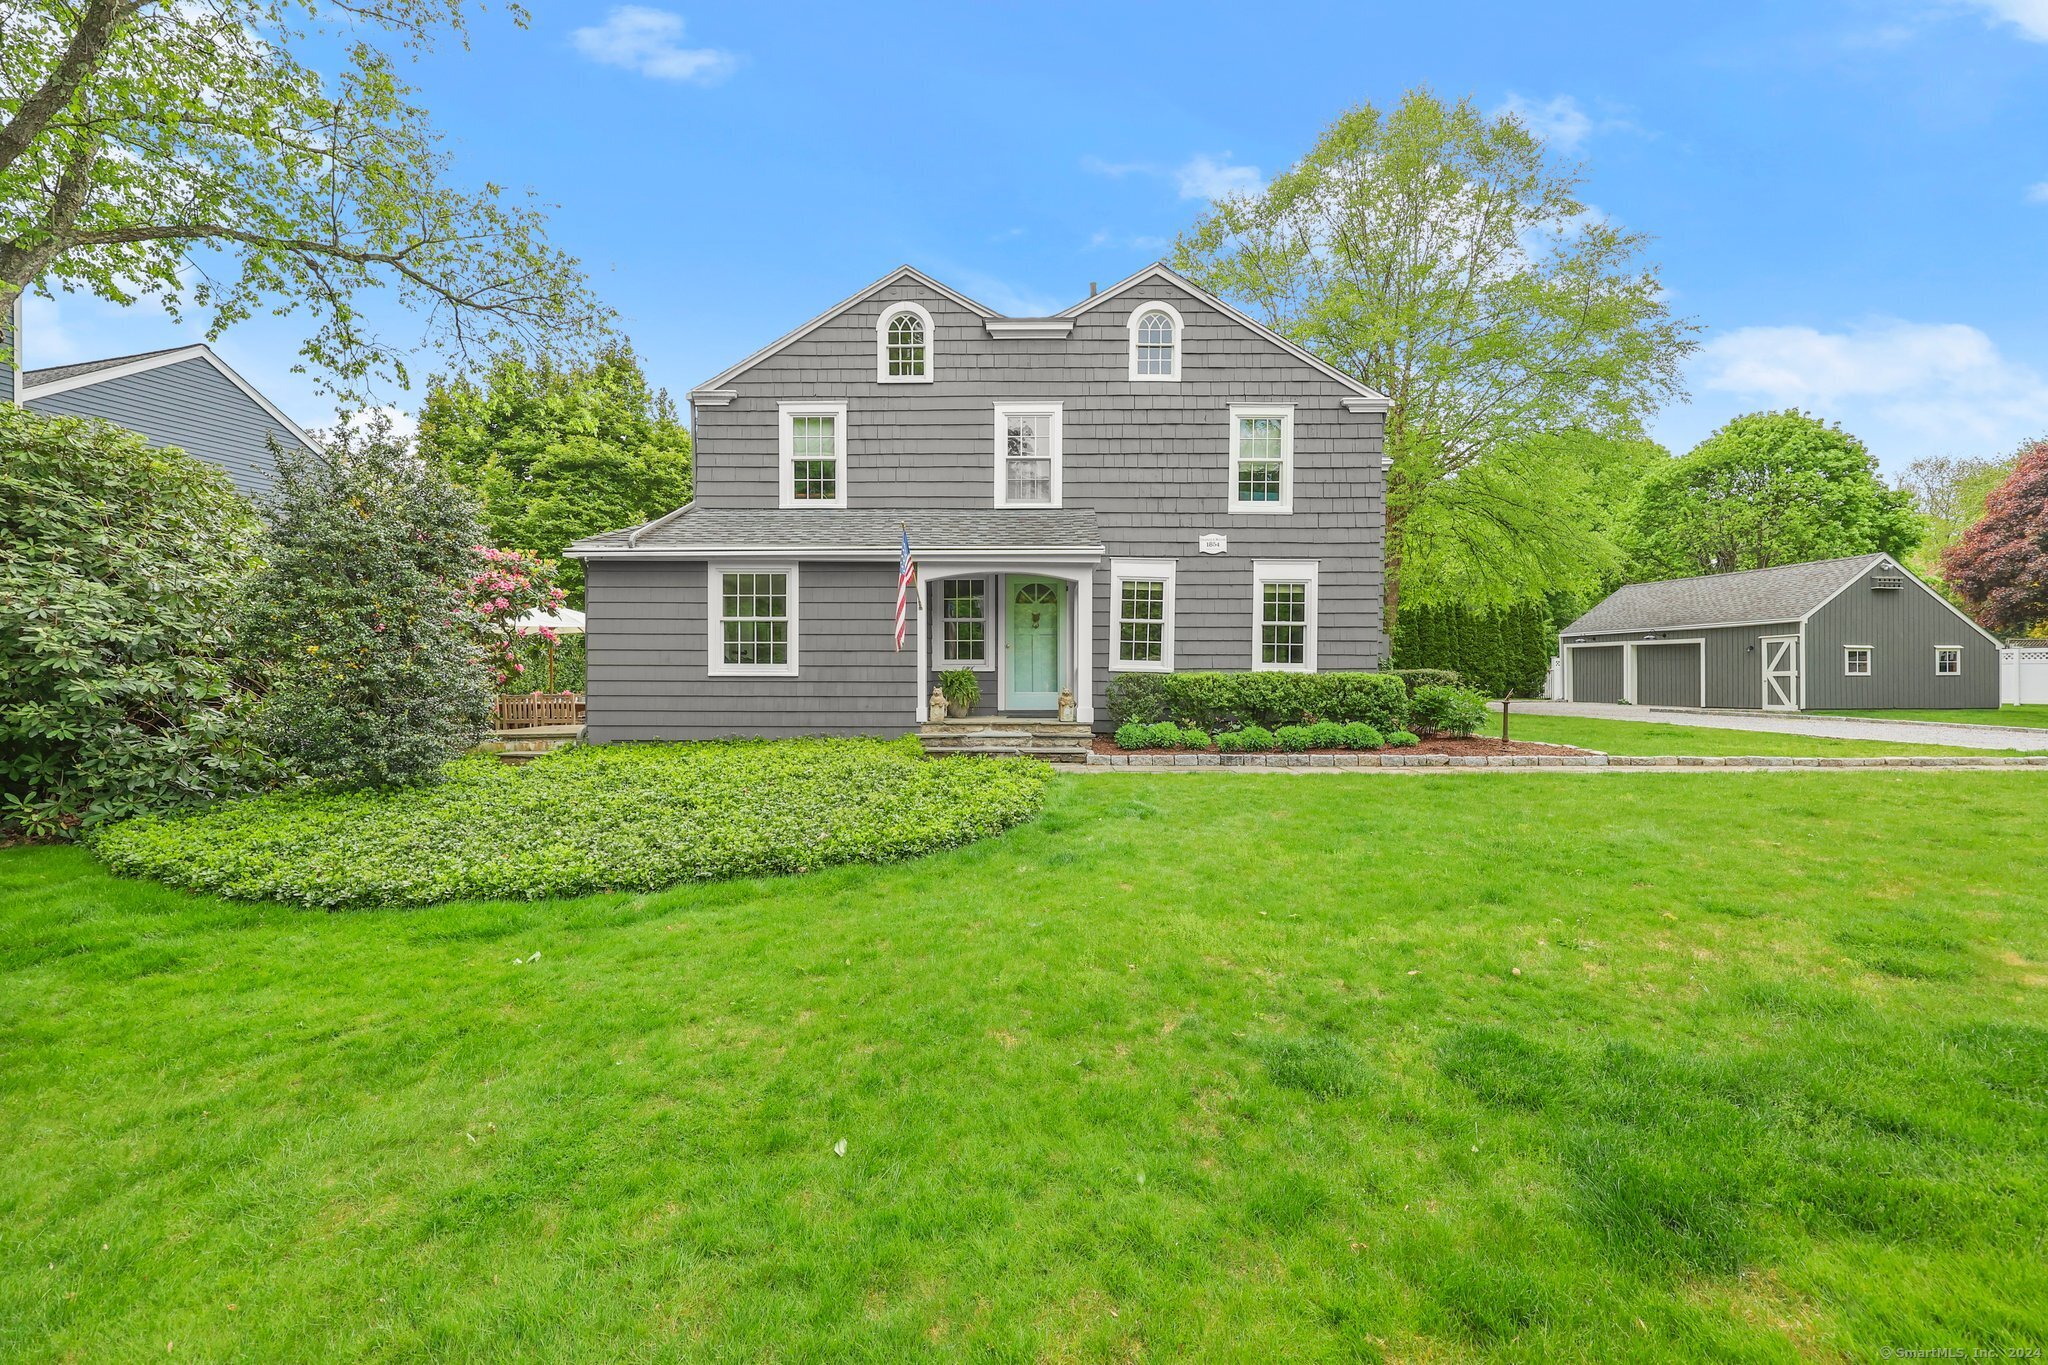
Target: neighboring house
{"type": "Point", "coordinates": [183, 396]}
{"type": "Point", "coordinates": [1147, 481]}
{"type": "Point", "coordinates": [1833, 635]}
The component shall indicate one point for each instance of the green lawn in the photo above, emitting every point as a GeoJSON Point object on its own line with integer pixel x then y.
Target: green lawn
{"type": "Point", "coordinates": [1721, 1066]}
{"type": "Point", "coordinates": [1651, 737]}
{"type": "Point", "coordinates": [2026, 717]}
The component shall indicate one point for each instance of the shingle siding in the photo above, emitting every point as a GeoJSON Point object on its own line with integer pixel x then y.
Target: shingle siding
{"type": "Point", "coordinates": [189, 405]}
{"type": "Point", "coordinates": [1150, 459]}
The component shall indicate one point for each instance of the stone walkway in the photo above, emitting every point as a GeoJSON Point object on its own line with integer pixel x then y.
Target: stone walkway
{"type": "Point", "coordinates": [1788, 723]}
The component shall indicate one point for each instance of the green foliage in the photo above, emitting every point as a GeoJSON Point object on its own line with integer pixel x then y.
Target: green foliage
{"type": "Point", "coordinates": [119, 568]}
{"type": "Point", "coordinates": [361, 618]}
{"type": "Point", "coordinates": [544, 669]}
{"type": "Point", "coordinates": [1293, 739]}
{"type": "Point", "coordinates": [1358, 735]}
{"type": "Point", "coordinates": [1324, 1066]}
{"type": "Point", "coordinates": [241, 155]}
{"type": "Point", "coordinates": [1192, 738]}
{"type": "Point", "coordinates": [1494, 649]}
{"type": "Point", "coordinates": [1768, 488]}
{"type": "Point", "coordinates": [557, 453]}
{"type": "Point", "coordinates": [1412, 678]}
{"type": "Point", "coordinates": [1950, 494]}
{"type": "Point", "coordinates": [1448, 711]}
{"type": "Point", "coordinates": [1132, 735]}
{"type": "Point", "coordinates": [1440, 255]}
{"type": "Point", "coordinates": [960, 686]}
{"type": "Point", "coordinates": [1252, 739]}
{"type": "Point", "coordinates": [1163, 735]}
{"type": "Point", "coordinates": [1217, 701]}
{"type": "Point", "coordinates": [613, 817]}
{"type": "Point", "coordinates": [1402, 739]}
{"type": "Point", "coordinates": [1329, 734]}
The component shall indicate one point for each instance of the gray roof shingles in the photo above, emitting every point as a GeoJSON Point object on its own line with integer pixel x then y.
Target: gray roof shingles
{"type": "Point", "coordinates": [51, 374]}
{"type": "Point", "coordinates": [862, 532]}
{"type": "Point", "coordinates": [1762, 595]}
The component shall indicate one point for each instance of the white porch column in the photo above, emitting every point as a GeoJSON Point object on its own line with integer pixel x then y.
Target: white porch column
{"type": "Point", "coordinates": [1084, 647]}
{"type": "Point", "coordinates": [924, 649]}
{"type": "Point", "coordinates": [1628, 673]}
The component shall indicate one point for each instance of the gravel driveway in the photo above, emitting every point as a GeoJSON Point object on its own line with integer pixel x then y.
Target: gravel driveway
{"type": "Point", "coordinates": [1834, 727]}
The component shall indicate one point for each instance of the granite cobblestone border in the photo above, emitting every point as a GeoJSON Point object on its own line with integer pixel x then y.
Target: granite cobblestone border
{"type": "Point", "coordinates": [1286, 762]}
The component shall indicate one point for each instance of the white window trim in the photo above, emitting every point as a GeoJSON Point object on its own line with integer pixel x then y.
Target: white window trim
{"type": "Point", "coordinates": [988, 618]}
{"type": "Point", "coordinates": [1956, 650]}
{"type": "Point", "coordinates": [1869, 671]}
{"type": "Point", "coordinates": [1266, 571]}
{"type": "Point", "coordinates": [882, 375]}
{"type": "Point", "coordinates": [786, 466]}
{"type": "Point", "coordinates": [1180, 335]}
{"type": "Point", "coordinates": [1142, 571]}
{"type": "Point", "coordinates": [1285, 412]}
{"type": "Point", "coordinates": [715, 622]}
{"type": "Point", "coordinates": [1056, 409]}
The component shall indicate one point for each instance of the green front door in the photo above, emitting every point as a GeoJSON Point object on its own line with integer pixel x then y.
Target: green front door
{"type": "Point", "coordinates": [1034, 644]}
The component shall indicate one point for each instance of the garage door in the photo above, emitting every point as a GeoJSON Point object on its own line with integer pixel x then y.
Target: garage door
{"type": "Point", "coordinates": [1668, 675]}
{"type": "Point", "coordinates": [1596, 672]}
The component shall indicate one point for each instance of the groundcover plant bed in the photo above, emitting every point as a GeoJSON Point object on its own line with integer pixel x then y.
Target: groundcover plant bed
{"type": "Point", "coordinates": [616, 817]}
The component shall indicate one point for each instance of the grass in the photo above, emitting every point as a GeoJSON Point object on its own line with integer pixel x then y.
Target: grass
{"type": "Point", "coordinates": [2024, 717]}
{"type": "Point", "coordinates": [625, 817]}
{"type": "Point", "coordinates": [1636, 737]}
{"type": "Point", "coordinates": [1714, 1066]}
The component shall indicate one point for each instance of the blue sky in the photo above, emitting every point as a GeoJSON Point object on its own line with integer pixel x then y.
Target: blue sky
{"type": "Point", "coordinates": [1851, 195]}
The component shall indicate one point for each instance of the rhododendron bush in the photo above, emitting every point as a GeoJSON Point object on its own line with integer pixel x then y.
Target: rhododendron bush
{"type": "Point", "coordinates": [509, 585]}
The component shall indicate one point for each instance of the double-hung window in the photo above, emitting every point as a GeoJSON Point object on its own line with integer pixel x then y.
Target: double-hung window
{"type": "Point", "coordinates": [813, 467]}
{"type": "Point", "coordinates": [1261, 458]}
{"type": "Point", "coordinates": [1284, 615]}
{"type": "Point", "coordinates": [1856, 661]}
{"type": "Point", "coordinates": [753, 615]}
{"type": "Point", "coordinates": [963, 614]}
{"type": "Point", "coordinates": [1028, 455]}
{"type": "Point", "coordinates": [1141, 594]}
{"type": "Point", "coordinates": [1948, 661]}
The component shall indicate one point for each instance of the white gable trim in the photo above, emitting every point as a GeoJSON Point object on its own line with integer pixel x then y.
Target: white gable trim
{"type": "Point", "coordinates": [901, 272]}
{"type": "Point", "coordinates": [1158, 270]}
{"type": "Point", "coordinates": [1894, 566]}
{"type": "Point", "coordinates": [201, 351]}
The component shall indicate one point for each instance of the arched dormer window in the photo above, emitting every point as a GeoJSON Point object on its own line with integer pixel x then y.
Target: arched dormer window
{"type": "Point", "coordinates": [1155, 342]}
{"type": "Point", "coordinates": [903, 345]}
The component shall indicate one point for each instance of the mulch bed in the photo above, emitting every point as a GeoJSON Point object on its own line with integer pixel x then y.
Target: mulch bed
{"type": "Point", "coordinates": [1477, 746]}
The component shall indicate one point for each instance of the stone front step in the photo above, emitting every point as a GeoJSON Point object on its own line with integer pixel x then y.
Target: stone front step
{"type": "Point", "coordinates": [1052, 740]}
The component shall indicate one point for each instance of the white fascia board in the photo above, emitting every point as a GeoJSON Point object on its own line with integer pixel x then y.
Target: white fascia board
{"type": "Point", "coordinates": [902, 272]}
{"type": "Point", "coordinates": [1372, 398]}
{"type": "Point", "coordinates": [198, 351]}
{"type": "Point", "coordinates": [1004, 328]}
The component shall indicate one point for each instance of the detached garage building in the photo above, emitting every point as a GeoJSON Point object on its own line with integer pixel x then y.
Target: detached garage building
{"type": "Point", "coordinates": [1833, 635]}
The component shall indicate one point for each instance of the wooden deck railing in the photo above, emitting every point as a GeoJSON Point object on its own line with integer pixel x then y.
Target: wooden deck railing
{"type": "Point", "coordinates": [524, 710]}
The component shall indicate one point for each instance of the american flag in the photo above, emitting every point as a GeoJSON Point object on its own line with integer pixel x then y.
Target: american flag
{"type": "Point", "coordinates": [906, 574]}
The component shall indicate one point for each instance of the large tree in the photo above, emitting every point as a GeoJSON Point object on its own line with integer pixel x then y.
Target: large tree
{"type": "Point", "coordinates": [1769, 488]}
{"type": "Point", "coordinates": [2001, 566]}
{"type": "Point", "coordinates": [1438, 254]}
{"type": "Point", "coordinates": [190, 151]}
{"type": "Point", "coordinates": [1950, 494]}
{"type": "Point", "coordinates": [555, 453]}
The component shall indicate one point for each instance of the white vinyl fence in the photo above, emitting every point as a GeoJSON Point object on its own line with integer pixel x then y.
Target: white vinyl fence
{"type": "Point", "coordinates": [2023, 675]}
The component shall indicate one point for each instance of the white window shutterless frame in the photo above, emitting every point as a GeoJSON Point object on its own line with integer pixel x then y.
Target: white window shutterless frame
{"type": "Point", "coordinates": [1028, 454]}
{"type": "Point", "coordinates": [1261, 458]}
{"type": "Point", "coordinates": [811, 471]}
{"type": "Point", "coordinates": [1141, 593]}
{"type": "Point", "coordinates": [1284, 607]}
{"type": "Point", "coordinates": [753, 620]}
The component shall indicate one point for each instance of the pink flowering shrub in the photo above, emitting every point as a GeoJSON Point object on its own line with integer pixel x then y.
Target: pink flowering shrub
{"type": "Point", "coordinates": [507, 585]}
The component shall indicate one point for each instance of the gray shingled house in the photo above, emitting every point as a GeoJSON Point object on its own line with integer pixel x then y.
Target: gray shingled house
{"type": "Point", "coordinates": [1146, 481]}
{"type": "Point", "coordinates": [1833, 635]}
{"type": "Point", "coordinates": [183, 396]}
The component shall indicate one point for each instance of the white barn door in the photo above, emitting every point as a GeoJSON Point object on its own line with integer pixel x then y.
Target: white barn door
{"type": "Point", "coordinates": [1781, 672]}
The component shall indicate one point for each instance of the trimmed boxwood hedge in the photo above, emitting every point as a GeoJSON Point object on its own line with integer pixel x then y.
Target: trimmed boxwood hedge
{"type": "Point", "coordinates": [626, 817]}
{"type": "Point", "coordinates": [1223, 701]}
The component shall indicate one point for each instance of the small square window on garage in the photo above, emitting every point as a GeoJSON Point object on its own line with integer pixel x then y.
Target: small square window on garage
{"type": "Point", "coordinates": [1856, 661]}
{"type": "Point", "coordinates": [1948, 661]}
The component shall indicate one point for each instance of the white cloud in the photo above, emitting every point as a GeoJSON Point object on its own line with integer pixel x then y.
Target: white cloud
{"type": "Point", "coordinates": [2030, 17]}
{"type": "Point", "coordinates": [1560, 121]}
{"type": "Point", "coordinates": [1201, 176]}
{"type": "Point", "coordinates": [2038, 193]}
{"type": "Point", "coordinates": [1907, 388]}
{"type": "Point", "coordinates": [999, 294]}
{"type": "Point", "coordinates": [1207, 177]}
{"type": "Point", "coordinates": [649, 41]}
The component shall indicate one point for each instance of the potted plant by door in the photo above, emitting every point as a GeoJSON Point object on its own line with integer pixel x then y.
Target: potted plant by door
{"type": "Point", "coordinates": [961, 689]}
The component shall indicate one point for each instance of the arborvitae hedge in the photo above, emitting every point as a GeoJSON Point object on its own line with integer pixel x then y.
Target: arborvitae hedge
{"type": "Point", "coordinates": [1493, 650]}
